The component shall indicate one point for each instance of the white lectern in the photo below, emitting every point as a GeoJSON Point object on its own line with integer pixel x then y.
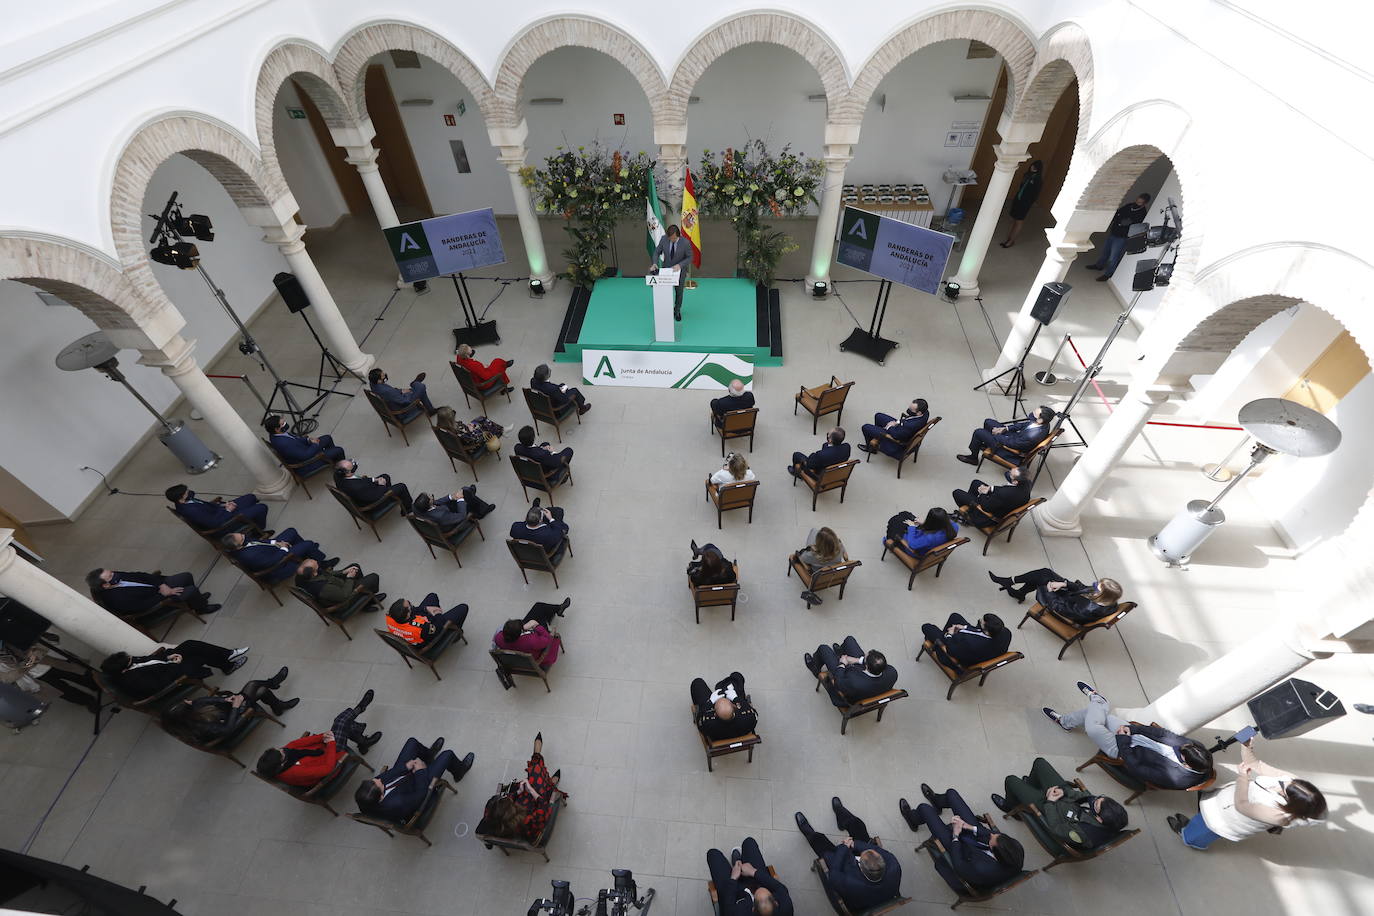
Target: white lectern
{"type": "Point", "coordinates": [664, 284]}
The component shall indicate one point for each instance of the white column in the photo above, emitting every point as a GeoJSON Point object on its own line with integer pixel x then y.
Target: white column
{"type": "Point", "coordinates": [325, 312]}
{"type": "Point", "coordinates": [69, 610]}
{"type": "Point", "coordinates": [1059, 515]}
{"type": "Point", "coordinates": [673, 158]}
{"type": "Point", "coordinates": [837, 159]}
{"type": "Point", "coordinates": [1063, 248]}
{"type": "Point", "coordinates": [1009, 157]}
{"type": "Point", "coordinates": [364, 159]}
{"type": "Point", "coordinates": [513, 158]}
{"type": "Point", "coordinates": [270, 479]}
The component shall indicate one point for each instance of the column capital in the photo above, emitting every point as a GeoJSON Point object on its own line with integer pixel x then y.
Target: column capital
{"type": "Point", "coordinates": [1064, 245]}
{"type": "Point", "coordinates": [1010, 154]}
{"type": "Point", "coordinates": [174, 358]}
{"type": "Point", "coordinates": [670, 134]}
{"type": "Point", "coordinates": [841, 134]}
{"type": "Point", "coordinates": [288, 237]}
{"type": "Point", "coordinates": [512, 157]}
{"type": "Point", "coordinates": [362, 158]}
{"type": "Point", "coordinates": [7, 556]}
{"type": "Point", "coordinates": [510, 135]}
{"type": "Point", "coordinates": [356, 134]}
{"type": "Point", "coordinates": [837, 158]}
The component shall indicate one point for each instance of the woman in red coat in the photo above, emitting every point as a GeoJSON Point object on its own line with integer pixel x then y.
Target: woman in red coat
{"type": "Point", "coordinates": [307, 760]}
{"type": "Point", "coordinates": [488, 376]}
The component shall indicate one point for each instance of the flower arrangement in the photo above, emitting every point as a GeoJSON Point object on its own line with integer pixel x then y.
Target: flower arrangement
{"type": "Point", "coordinates": [592, 188]}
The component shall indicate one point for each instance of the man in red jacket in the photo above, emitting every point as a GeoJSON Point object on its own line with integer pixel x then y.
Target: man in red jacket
{"type": "Point", "coordinates": [487, 377]}
{"type": "Point", "coordinates": [306, 761]}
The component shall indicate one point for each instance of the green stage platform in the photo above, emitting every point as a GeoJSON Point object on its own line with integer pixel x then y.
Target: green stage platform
{"type": "Point", "coordinates": [719, 316]}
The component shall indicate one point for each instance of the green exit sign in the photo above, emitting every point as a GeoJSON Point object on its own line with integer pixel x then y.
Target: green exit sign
{"type": "Point", "coordinates": [296, 114]}
{"type": "Point", "coordinates": [462, 107]}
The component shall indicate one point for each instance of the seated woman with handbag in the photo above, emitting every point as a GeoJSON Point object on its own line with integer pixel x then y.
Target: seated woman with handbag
{"type": "Point", "coordinates": [1064, 597]}
{"type": "Point", "coordinates": [919, 538]}
{"type": "Point", "coordinates": [480, 434]}
{"type": "Point", "coordinates": [709, 566]}
{"type": "Point", "coordinates": [521, 810]}
{"type": "Point", "coordinates": [206, 719]}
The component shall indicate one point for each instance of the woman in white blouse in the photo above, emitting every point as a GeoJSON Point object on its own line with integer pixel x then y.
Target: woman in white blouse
{"type": "Point", "coordinates": [735, 470]}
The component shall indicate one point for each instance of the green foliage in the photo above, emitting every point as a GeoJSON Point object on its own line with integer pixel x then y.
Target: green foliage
{"type": "Point", "coordinates": [761, 249]}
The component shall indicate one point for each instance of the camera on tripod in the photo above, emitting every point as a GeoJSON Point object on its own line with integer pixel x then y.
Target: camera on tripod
{"type": "Point", "coordinates": [613, 901]}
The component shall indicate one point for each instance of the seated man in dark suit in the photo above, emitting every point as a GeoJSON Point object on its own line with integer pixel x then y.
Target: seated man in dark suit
{"type": "Point", "coordinates": [977, 855]}
{"type": "Point", "coordinates": [1018, 434]}
{"type": "Point", "coordinates": [129, 594]}
{"type": "Point", "coordinates": [890, 435]}
{"type": "Point", "coordinates": [307, 760]}
{"type": "Point", "coordinates": [850, 676]}
{"type": "Point", "coordinates": [364, 491]}
{"type": "Point", "coordinates": [448, 512]}
{"type": "Point", "coordinates": [736, 399]}
{"type": "Point", "coordinates": [419, 626]}
{"type": "Point", "coordinates": [725, 712]}
{"type": "Point", "coordinates": [1147, 752]}
{"type": "Point", "coordinates": [1072, 816]}
{"type": "Point", "coordinates": [558, 395]}
{"type": "Point", "coordinates": [553, 463]}
{"type": "Point", "coordinates": [260, 555]}
{"type": "Point", "coordinates": [743, 885]}
{"type": "Point", "coordinates": [407, 401]}
{"type": "Point", "coordinates": [860, 874]}
{"type": "Point", "coordinates": [398, 791]}
{"type": "Point", "coordinates": [207, 515]}
{"type": "Point", "coordinates": [832, 451]}
{"type": "Point", "coordinates": [985, 504]}
{"type": "Point", "coordinates": [331, 587]}
{"type": "Point", "coordinates": [962, 644]}
{"type": "Point", "coordinates": [544, 526]}
{"type": "Point", "coordinates": [295, 449]}
{"type": "Point", "coordinates": [142, 676]}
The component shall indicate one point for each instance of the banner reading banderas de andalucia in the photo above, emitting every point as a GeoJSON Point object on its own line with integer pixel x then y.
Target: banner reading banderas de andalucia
{"type": "Point", "coordinates": [665, 369]}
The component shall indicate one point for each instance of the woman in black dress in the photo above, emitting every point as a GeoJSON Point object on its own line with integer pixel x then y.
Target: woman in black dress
{"type": "Point", "coordinates": [1024, 200]}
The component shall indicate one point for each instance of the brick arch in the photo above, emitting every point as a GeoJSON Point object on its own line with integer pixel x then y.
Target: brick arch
{"type": "Point", "coordinates": [316, 77]}
{"type": "Point", "coordinates": [1065, 55]}
{"type": "Point", "coordinates": [1004, 35]}
{"type": "Point", "coordinates": [751, 28]}
{"type": "Point", "coordinates": [572, 31]}
{"type": "Point", "coordinates": [366, 42]}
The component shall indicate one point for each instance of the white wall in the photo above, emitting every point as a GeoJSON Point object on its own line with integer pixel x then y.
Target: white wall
{"type": "Point", "coordinates": [593, 87]}
{"type": "Point", "coordinates": [1160, 181]}
{"type": "Point", "coordinates": [304, 165]}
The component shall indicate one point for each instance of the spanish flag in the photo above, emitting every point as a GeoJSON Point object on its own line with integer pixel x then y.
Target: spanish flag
{"type": "Point", "coordinates": [691, 227]}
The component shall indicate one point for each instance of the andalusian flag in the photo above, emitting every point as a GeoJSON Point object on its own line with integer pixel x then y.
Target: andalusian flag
{"type": "Point", "coordinates": [691, 228]}
{"type": "Point", "coordinates": [653, 217]}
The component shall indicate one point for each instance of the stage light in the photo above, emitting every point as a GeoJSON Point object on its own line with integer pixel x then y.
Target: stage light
{"type": "Point", "coordinates": [536, 287]}
{"type": "Point", "coordinates": [420, 286]}
{"type": "Point", "coordinates": [178, 254]}
{"type": "Point", "coordinates": [1160, 235]}
{"type": "Point", "coordinates": [1136, 237]}
{"type": "Point", "coordinates": [1163, 274]}
{"type": "Point", "coordinates": [197, 225]}
{"type": "Point", "coordinates": [951, 290]}
{"type": "Point", "coordinates": [819, 289]}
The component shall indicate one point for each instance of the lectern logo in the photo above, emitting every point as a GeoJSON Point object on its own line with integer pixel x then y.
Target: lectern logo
{"type": "Point", "coordinates": [604, 368]}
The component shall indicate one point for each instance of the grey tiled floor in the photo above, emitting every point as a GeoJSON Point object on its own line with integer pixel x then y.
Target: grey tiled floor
{"type": "Point", "coordinates": [143, 809]}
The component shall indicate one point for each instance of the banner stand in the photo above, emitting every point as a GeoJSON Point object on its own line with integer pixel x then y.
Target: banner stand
{"type": "Point", "coordinates": [871, 343]}
{"type": "Point", "coordinates": [475, 333]}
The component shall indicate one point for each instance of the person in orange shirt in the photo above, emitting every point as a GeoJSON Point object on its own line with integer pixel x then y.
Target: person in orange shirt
{"type": "Point", "coordinates": [487, 377]}
{"type": "Point", "coordinates": [419, 625]}
{"type": "Point", "coordinates": [305, 761]}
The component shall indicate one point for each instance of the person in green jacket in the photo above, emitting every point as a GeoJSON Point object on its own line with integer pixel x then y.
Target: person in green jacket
{"type": "Point", "coordinates": [1072, 816]}
{"type": "Point", "coordinates": [332, 587]}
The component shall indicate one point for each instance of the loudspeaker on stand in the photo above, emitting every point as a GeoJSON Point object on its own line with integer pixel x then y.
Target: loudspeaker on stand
{"type": "Point", "coordinates": [1050, 301]}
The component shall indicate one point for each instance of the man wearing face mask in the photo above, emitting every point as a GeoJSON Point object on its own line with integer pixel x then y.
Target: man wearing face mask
{"type": "Point", "coordinates": [207, 515]}
{"type": "Point", "coordinates": [982, 504]}
{"type": "Point", "coordinates": [129, 594]}
{"type": "Point", "coordinates": [364, 491]}
{"type": "Point", "coordinates": [408, 400]}
{"type": "Point", "coordinates": [1021, 435]}
{"type": "Point", "coordinates": [891, 434]}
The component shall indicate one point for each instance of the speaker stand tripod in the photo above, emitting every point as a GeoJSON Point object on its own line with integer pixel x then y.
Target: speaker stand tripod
{"type": "Point", "coordinates": [1015, 386]}
{"type": "Point", "coordinates": [872, 343]}
{"type": "Point", "coordinates": [327, 359]}
{"type": "Point", "coordinates": [475, 332]}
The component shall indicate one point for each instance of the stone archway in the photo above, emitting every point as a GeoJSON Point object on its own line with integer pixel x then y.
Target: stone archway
{"type": "Point", "coordinates": [1065, 55]}
{"type": "Point", "coordinates": [572, 31]}
{"type": "Point", "coordinates": [316, 77]}
{"type": "Point", "coordinates": [749, 28]}
{"type": "Point", "coordinates": [360, 46]}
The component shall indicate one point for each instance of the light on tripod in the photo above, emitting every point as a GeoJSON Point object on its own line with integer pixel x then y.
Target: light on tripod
{"type": "Point", "coordinates": [1160, 235]}
{"type": "Point", "coordinates": [1164, 274]}
{"type": "Point", "coordinates": [819, 289]}
{"type": "Point", "coordinates": [196, 224]}
{"type": "Point", "coordinates": [536, 287]}
{"type": "Point", "coordinates": [177, 254]}
{"type": "Point", "coordinates": [1136, 237]}
{"type": "Point", "coordinates": [951, 290]}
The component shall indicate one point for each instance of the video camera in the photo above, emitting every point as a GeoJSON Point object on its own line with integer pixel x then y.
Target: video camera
{"type": "Point", "coordinates": [613, 901]}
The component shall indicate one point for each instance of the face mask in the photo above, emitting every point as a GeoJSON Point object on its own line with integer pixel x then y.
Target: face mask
{"type": "Point", "coordinates": [1009, 478]}
{"type": "Point", "coordinates": [190, 494]}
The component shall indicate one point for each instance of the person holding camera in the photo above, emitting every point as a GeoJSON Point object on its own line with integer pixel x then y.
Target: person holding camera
{"type": "Point", "coordinates": [744, 885]}
{"type": "Point", "coordinates": [535, 633]}
{"type": "Point", "coordinates": [545, 527]}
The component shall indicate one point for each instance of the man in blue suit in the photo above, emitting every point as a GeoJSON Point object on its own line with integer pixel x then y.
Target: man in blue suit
{"type": "Point", "coordinates": [1017, 434]}
{"type": "Point", "coordinates": [558, 395]}
{"type": "Point", "coordinates": [673, 251]}
{"type": "Point", "coordinates": [860, 874]}
{"type": "Point", "coordinates": [544, 526]}
{"type": "Point", "coordinates": [259, 555]}
{"type": "Point", "coordinates": [398, 791]}
{"type": "Point", "coordinates": [890, 435]}
{"type": "Point", "coordinates": [207, 515]}
{"type": "Point", "coordinates": [409, 400]}
{"type": "Point", "coordinates": [832, 451]}
{"type": "Point", "coordinates": [296, 449]}
{"type": "Point", "coordinates": [977, 855]}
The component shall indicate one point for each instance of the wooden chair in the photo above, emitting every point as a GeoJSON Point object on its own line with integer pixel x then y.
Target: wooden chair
{"type": "Point", "coordinates": [324, 790]}
{"type": "Point", "coordinates": [397, 418]}
{"type": "Point", "coordinates": [834, 477]}
{"type": "Point", "coordinates": [415, 824]}
{"type": "Point", "coordinates": [168, 611]}
{"type": "Point", "coordinates": [716, 595]}
{"type": "Point", "coordinates": [540, 845]}
{"type": "Point", "coordinates": [434, 536]}
{"type": "Point", "coordinates": [183, 688]}
{"type": "Point", "coordinates": [823, 400]}
{"type": "Point", "coordinates": [1030, 816]}
{"type": "Point", "coordinates": [371, 513]}
{"type": "Point", "coordinates": [825, 577]}
{"type": "Point", "coordinates": [426, 654]}
{"type": "Point", "coordinates": [339, 614]}
{"type": "Point", "coordinates": [970, 894]}
{"type": "Point", "coordinates": [225, 745]}
{"type": "Point", "coordinates": [473, 390]}
{"type": "Point", "coordinates": [736, 424]}
{"type": "Point", "coordinates": [821, 870]}
{"type": "Point", "coordinates": [1116, 769]}
{"type": "Point", "coordinates": [911, 448]}
{"type": "Point", "coordinates": [739, 494]}
{"type": "Point", "coordinates": [529, 555]}
{"type": "Point", "coordinates": [935, 556]}
{"type": "Point", "coordinates": [542, 409]}
{"type": "Point", "coordinates": [979, 671]}
{"type": "Point", "coordinates": [715, 897]}
{"type": "Point", "coordinates": [532, 476]}
{"type": "Point", "coordinates": [267, 579]}
{"type": "Point", "coordinates": [238, 524]}
{"type": "Point", "coordinates": [455, 449]}
{"type": "Point", "coordinates": [1018, 459]}
{"type": "Point", "coordinates": [724, 747]}
{"type": "Point", "coordinates": [512, 662]}
{"type": "Point", "coordinates": [1008, 522]}
{"type": "Point", "coordinates": [302, 471]}
{"type": "Point", "coordinates": [1069, 631]}
{"type": "Point", "coordinates": [877, 703]}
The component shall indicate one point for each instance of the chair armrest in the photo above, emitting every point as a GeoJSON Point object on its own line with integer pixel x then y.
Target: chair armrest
{"type": "Point", "coordinates": [388, 495]}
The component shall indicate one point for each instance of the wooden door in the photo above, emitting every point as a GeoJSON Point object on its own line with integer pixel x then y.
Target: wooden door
{"type": "Point", "coordinates": [1331, 376]}
{"type": "Point", "coordinates": [400, 171]}
{"type": "Point", "coordinates": [345, 176]}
